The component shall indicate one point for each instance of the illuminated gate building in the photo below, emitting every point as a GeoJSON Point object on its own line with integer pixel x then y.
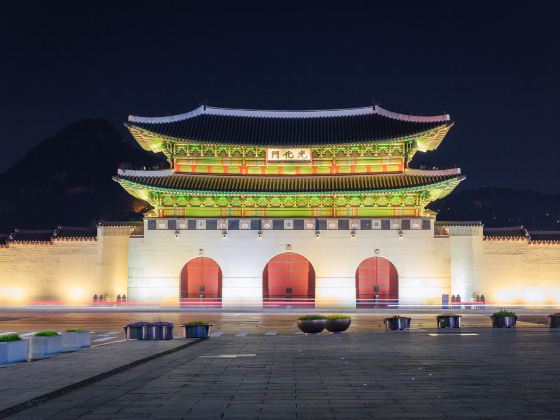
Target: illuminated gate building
{"type": "Point", "coordinates": [310, 208]}
{"type": "Point", "coordinates": [285, 208]}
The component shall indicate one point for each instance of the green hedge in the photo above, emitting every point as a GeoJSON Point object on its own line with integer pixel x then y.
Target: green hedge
{"type": "Point", "coordinates": [9, 337]}
{"type": "Point", "coordinates": [47, 333]}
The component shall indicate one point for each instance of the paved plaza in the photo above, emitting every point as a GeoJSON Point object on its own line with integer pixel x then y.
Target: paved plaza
{"type": "Point", "coordinates": [106, 324]}
{"type": "Point", "coordinates": [423, 373]}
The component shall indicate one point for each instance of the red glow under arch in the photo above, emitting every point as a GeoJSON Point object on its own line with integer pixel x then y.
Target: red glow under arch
{"type": "Point", "coordinates": [377, 283]}
{"type": "Point", "coordinates": [201, 282]}
{"type": "Point", "coordinates": [289, 279]}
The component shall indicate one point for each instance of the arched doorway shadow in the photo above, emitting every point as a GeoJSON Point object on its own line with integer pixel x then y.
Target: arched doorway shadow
{"type": "Point", "coordinates": [289, 281]}
{"type": "Point", "coordinates": [201, 283]}
{"type": "Point", "coordinates": [377, 283]}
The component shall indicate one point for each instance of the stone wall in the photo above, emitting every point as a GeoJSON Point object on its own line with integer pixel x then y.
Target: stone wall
{"type": "Point", "coordinates": [505, 271]}
{"type": "Point", "coordinates": [520, 273]}
{"type": "Point", "coordinates": [156, 261]}
{"type": "Point", "coordinates": [147, 268]}
{"type": "Point", "coordinates": [65, 272]}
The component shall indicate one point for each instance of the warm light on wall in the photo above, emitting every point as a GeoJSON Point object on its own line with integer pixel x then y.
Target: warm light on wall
{"type": "Point", "coordinates": [76, 294]}
{"type": "Point", "coordinates": [12, 294]}
{"type": "Point", "coordinates": [530, 296]}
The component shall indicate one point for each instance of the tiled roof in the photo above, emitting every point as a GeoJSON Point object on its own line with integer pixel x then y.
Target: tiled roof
{"type": "Point", "coordinates": [519, 232]}
{"type": "Point", "coordinates": [458, 223]}
{"type": "Point", "coordinates": [73, 233]}
{"type": "Point", "coordinates": [286, 128]}
{"type": "Point", "coordinates": [544, 236]}
{"type": "Point", "coordinates": [284, 184]}
{"type": "Point", "coordinates": [515, 232]}
{"type": "Point", "coordinates": [31, 236]}
{"type": "Point", "coordinates": [120, 224]}
{"type": "Point", "coordinates": [4, 239]}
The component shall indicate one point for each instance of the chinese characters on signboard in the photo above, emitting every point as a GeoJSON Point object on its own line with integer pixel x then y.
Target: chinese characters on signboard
{"type": "Point", "coordinates": [282, 154]}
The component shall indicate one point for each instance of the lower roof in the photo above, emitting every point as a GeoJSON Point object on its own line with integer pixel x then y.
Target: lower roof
{"type": "Point", "coordinates": [263, 184]}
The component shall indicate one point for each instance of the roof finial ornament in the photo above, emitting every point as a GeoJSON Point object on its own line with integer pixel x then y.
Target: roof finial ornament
{"type": "Point", "coordinates": [372, 99]}
{"type": "Point", "coordinates": [205, 103]}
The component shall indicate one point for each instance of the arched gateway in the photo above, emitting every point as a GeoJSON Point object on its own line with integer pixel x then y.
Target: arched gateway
{"type": "Point", "coordinates": [289, 279]}
{"type": "Point", "coordinates": [377, 283]}
{"type": "Point", "coordinates": [201, 282]}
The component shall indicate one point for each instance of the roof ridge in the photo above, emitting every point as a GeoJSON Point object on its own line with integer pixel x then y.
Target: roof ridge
{"type": "Point", "coordinates": [416, 172]}
{"type": "Point", "coordinates": [34, 230]}
{"type": "Point", "coordinates": [309, 113]}
{"type": "Point", "coordinates": [505, 228]}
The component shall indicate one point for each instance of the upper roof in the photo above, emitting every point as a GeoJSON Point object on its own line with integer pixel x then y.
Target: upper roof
{"type": "Point", "coordinates": [296, 184]}
{"type": "Point", "coordinates": [285, 128]}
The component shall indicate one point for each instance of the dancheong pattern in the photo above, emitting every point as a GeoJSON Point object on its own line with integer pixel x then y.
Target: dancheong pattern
{"type": "Point", "coordinates": [282, 164]}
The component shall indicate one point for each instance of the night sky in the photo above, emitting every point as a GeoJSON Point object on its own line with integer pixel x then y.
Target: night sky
{"type": "Point", "coordinates": [493, 66]}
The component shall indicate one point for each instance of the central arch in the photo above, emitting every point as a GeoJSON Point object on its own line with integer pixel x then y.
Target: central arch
{"type": "Point", "coordinates": [377, 283]}
{"type": "Point", "coordinates": [289, 279]}
{"type": "Point", "coordinates": [201, 282]}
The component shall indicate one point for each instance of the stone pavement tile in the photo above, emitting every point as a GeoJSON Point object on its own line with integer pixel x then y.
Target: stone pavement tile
{"type": "Point", "coordinates": [51, 374]}
{"type": "Point", "coordinates": [282, 383]}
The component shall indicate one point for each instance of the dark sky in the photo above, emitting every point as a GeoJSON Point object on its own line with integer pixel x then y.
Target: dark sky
{"type": "Point", "coordinates": [493, 65]}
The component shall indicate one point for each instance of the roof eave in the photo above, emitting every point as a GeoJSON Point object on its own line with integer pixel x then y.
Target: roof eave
{"type": "Point", "coordinates": [442, 189]}
{"type": "Point", "coordinates": [426, 140]}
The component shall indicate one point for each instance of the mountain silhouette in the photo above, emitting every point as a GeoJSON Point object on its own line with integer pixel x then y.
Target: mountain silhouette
{"type": "Point", "coordinates": [67, 180]}
{"type": "Point", "coordinates": [501, 207]}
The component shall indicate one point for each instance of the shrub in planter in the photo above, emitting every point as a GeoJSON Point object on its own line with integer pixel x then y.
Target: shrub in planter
{"type": "Point", "coordinates": [448, 320]}
{"type": "Point", "coordinates": [196, 329]}
{"type": "Point", "coordinates": [396, 323]}
{"type": "Point", "coordinates": [13, 349]}
{"type": "Point", "coordinates": [554, 320]}
{"type": "Point", "coordinates": [338, 323]}
{"type": "Point", "coordinates": [45, 343]}
{"type": "Point", "coordinates": [312, 324]}
{"type": "Point", "coordinates": [160, 330]}
{"type": "Point", "coordinates": [75, 338]}
{"type": "Point", "coordinates": [137, 330]}
{"type": "Point", "coordinates": [504, 319]}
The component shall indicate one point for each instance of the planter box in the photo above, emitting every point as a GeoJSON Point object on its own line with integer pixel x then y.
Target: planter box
{"type": "Point", "coordinates": [136, 332]}
{"type": "Point", "coordinates": [160, 332]}
{"type": "Point", "coordinates": [312, 326]}
{"type": "Point", "coordinates": [503, 321]}
{"type": "Point", "coordinates": [554, 321]}
{"type": "Point", "coordinates": [337, 326]}
{"type": "Point", "coordinates": [396, 324]}
{"type": "Point", "coordinates": [76, 340]}
{"type": "Point", "coordinates": [40, 347]}
{"type": "Point", "coordinates": [14, 351]}
{"type": "Point", "coordinates": [449, 321]}
{"type": "Point", "coordinates": [196, 331]}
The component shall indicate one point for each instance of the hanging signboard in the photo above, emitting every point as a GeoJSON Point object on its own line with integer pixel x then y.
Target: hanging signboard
{"type": "Point", "coordinates": [284, 154]}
